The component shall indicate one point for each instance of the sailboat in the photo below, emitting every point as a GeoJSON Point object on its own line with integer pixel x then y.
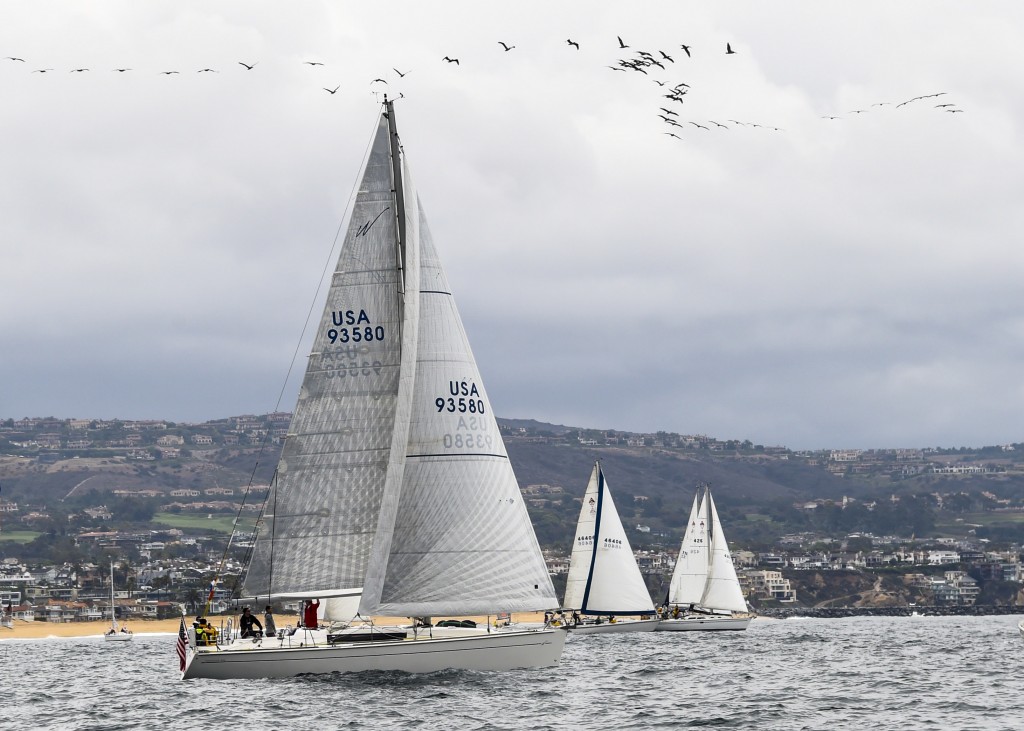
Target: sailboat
{"type": "Point", "coordinates": [705, 593]}
{"type": "Point", "coordinates": [394, 495]}
{"type": "Point", "coordinates": [604, 581]}
{"type": "Point", "coordinates": [115, 633]}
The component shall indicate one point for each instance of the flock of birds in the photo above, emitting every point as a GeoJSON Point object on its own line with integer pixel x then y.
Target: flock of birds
{"type": "Point", "coordinates": [641, 62]}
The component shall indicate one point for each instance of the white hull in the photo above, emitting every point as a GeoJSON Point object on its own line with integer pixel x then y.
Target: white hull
{"type": "Point", "coordinates": [483, 651]}
{"type": "Point", "coordinates": [1020, 628]}
{"type": "Point", "coordinates": [703, 623]}
{"type": "Point", "coordinates": [622, 625]}
{"type": "Point", "coordinates": [118, 637]}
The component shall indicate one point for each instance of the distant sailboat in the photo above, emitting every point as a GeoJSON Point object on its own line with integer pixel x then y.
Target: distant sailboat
{"type": "Point", "coordinates": [705, 592]}
{"type": "Point", "coordinates": [604, 582]}
{"type": "Point", "coordinates": [394, 493]}
{"type": "Point", "coordinates": [115, 633]}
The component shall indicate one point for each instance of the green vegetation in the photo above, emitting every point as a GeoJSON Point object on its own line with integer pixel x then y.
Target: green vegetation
{"type": "Point", "coordinates": [204, 523]}
{"type": "Point", "coordinates": [19, 536]}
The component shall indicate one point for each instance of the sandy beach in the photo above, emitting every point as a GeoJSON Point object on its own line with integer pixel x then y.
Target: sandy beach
{"type": "Point", "coordinates": [41, 630]}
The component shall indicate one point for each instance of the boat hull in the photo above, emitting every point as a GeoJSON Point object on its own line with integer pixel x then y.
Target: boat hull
{"type": "Point", "coordinates": [481, 651]}
{"type": "Point", "coordinates": [119, 637]}
{"type": "Point", "coordinates": [703, 624]}
{"type": "Point", "coordinates": [622, 625]}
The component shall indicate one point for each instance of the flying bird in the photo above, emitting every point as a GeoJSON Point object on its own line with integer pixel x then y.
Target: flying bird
{"type": "Point", "coordinates": [728, 49]}
{"type": "Point", "coordinates": [169, 72]}
{"type": "Point", "coordinates": [831, 117]}
{"type": "Point", "coordinates": [616, 68]}
{"type": "Point", "coordinates": [247, 66]}
{"type": "Point", "coordinates": [41, 71]}
{"type": "Point", "coordinates": [666, 56]}
{"type": "Point", "coordinates": [673, 134]}
{"type": "Point", "coordinates": [452, 60]}
{"type": "Point", "coordinates": [954, 111]}
{"type": "Point", "coordinates": [571, 42]}
{"type": "Point", "coordinates": [200, 71]}
{"type": "Point", "coordinates": [939, 106]}
{"type": "Point", "coordinates": [668, 111]}
{"type": "Point", "coordinates": [506, 46]}
{"type": "Point", "coordinates": [700, 125]}
{"type": "Point", "coordinates": [380, 80]}
{"type": "Point", "coordinates": [331, 91]}
{"type": "Point", "coordinates": [121, 70]}
{"type": "Point", "coordinates": [77, 71]}
{"type": "Point", "coordinates": [621, 44]}
{"type": "Point", "coordinates": [725, 126]}
{"type": "Point", "coordinates": [15, 58]}
{"type": "Point", "coordinates": [400, 74]}
{"type": "Point", "coordinates": [687, 50]}
{"type": "Point", "coordinates": [312, 63]}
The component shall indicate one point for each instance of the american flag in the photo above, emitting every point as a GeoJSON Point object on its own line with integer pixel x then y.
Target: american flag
{"type": "Point", "coordinates": [182, 644]}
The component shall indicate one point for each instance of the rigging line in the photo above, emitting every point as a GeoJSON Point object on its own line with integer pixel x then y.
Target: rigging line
{"type": "Point", "coordinates": [284, 385]}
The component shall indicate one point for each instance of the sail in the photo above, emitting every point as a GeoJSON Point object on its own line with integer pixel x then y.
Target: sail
{"type": "Point", "coordinates": [722, 592]}
{"type": "Point", "coordinates": [603, 574]}
{"type": "Point", "coordinates": [321, 516]}
{"type": "Point", "coordinates": [462, 542]}
{"type": "Point", "coordinates": [691, 571]}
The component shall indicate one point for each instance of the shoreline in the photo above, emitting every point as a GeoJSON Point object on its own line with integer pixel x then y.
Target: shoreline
{"type": "Point", "coordinates": [54, 630]}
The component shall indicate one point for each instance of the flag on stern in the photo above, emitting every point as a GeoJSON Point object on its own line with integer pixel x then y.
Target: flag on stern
{"type": "Point", "coordinates": [182, 643]}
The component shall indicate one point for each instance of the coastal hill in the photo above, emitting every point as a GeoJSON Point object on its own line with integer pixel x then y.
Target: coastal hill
{"type": "Point", "coordinates": [763, 493]}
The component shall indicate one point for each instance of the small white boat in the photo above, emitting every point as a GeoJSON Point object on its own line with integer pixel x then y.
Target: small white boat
{"type": "Point", "coordinates": [705, 593]}
{"type": "Point", "coordinates": [604, 591]}
{"type": "Point", "coordinates": [1020, 628]}
{"type": "Point", "coordinates": [115, 633]}
{"type": "Point", "coordinates": [394, 491]}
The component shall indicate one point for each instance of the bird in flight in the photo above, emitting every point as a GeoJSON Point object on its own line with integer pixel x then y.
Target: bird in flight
{"type": "Point", "coordinates": [400, 74]}
{"type": "Point", "coordinates": [248, 67]}
{"type": "Point", "coordinates": [121, 70]}
{"type": "Point", "coordinates": [331, 91]}
{"type": "Point", "coordinates": [954, 111]}
{"type": "Point", "coordinates": [169, 72]}
{"type": "Point", "coordinates": [831, 117]}
{"type": "Point", "coordinates": [506, 46]}
{"type": "Point", "coordinates": [673, 134]}
{"type": "Point", "coordinates": [666, 56]}
{"type": "Point", "coordinates": [700, 125]}
{"type": "Point", "coordinates": [15, 58]}
{"type": "Point", "coordinates": [938, 106]}
{"type": "Point", "coordinates": [380, 80]}
{"type": "Point", "coordinates": [728, 49]}
{"type": "Point", "coordinates": [725, 126]}
{"type": "Point", "coordinates": [687, 50]}
{"type": "Point", "coordinates": [312, 63]}
{"type": "Point", "coordinates": [668, 111]}
{"type": "Point", "coordinates": [78, 71]}
{"type": "Point", "coordinates": [205, 70]}
{"type": "Point", "coordinates": [452, 60]}
{"type": "Point", "coordinates": [621, 44]}
{"type": "Point", "coordinates": [571, 42]}
{"type": "Point", "coordinates": [41, 71]}
{"type": "Point", "coordinates": [616, 68]}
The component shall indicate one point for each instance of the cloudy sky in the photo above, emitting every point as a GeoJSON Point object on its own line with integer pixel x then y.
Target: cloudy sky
{"type": "Point", "coordinates": [812, 282]}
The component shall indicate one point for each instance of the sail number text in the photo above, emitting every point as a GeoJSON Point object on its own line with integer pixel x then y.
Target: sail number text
{"type": "Point", "coordinates": [352, 326]}
{"type": "Point", "coordinates": [464, 398]}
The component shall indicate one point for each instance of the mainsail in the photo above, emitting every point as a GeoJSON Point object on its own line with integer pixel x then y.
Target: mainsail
{"type": "Point", "coordinates": [603, 574]}
{"type": "Point", "coordinates": [691, 571]}
{"type": "Point", "coordinates": [394, 481]}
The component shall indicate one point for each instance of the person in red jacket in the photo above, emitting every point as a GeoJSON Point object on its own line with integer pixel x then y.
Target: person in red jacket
{"type": "Point", "coordinates": [309, 613]}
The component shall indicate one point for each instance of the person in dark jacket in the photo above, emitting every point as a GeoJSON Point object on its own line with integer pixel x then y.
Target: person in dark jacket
{"type": "Point", "coordinates": [246, 624]}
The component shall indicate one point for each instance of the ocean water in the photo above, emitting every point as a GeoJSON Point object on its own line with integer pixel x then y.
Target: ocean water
{"type": "Point", "coordinates": [873, 673]}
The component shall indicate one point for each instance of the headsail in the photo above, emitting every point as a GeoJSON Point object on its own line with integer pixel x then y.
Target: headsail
{"type": "Point", "coordinates": [691, 572]}
{"type": "Point", "coordinates": [321, 515]}
{"type": "Point", "coordinates": [603, 574]}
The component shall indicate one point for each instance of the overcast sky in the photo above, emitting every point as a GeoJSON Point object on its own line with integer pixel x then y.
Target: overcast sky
{"type": "Point", "coordinates": [809, 282]}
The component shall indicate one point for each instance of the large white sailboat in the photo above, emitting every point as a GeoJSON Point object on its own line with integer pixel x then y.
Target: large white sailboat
{"type": "Point", "coordinates": [115, 633]}
{"type": "Point", "coordinates": [604, 591]}
{"type": "Point", "coordinates": [394, 492]}
{"type": "Point", "coordinates": [705, 592]}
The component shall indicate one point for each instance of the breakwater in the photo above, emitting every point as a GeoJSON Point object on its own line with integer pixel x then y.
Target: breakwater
{"type": "Point", "coordinates": [981, 610]}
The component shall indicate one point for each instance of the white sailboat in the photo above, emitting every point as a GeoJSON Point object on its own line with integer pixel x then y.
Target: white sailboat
{"type": "Point", "coordinates": [604, 591]}
{"type": "Point", "coordinates": [394, 492]}
{"type": "Point", "coordinates": [115, 633]}
{"type": "Point", "coordinates": [705, 592]}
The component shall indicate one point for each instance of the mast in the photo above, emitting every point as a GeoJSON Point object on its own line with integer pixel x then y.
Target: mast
{"type": "Point", "coordinates": [396, 174]}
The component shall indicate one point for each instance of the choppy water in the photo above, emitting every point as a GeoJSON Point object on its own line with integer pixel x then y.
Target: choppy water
{"type": "Point", "coordinates": [881, 673]}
